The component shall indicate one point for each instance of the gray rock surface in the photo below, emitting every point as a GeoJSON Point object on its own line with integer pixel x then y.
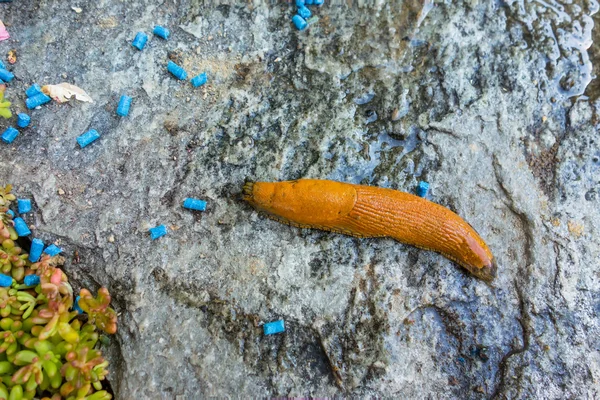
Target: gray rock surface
{"type": "Point", "coordinates": [490, 102]}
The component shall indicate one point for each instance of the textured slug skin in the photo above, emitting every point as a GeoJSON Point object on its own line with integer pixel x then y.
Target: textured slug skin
{"type": "Point", "coordinates": [367, 211]}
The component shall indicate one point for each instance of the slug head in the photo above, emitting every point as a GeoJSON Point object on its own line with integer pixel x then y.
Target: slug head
{"type": "Point", "coordinates": [305, 202]}
{"type": "Point", "coordinates": [258, 199]}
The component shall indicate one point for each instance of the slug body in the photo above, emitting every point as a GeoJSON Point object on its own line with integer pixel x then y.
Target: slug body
{"type": "Point", "coordinates": [367, 211]}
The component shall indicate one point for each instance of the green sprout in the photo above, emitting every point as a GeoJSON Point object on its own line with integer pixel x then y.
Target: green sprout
{"type": "Point", "coordinates": [47, 350]}
{"type": "Point", "coordinates": [100, 313]}
{"type": "Point", "coordinates": [4, 105]}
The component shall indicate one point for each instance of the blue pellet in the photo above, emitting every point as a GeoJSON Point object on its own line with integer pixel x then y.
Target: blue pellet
{"type": "Point", "coordinates": [318, 2]}
{"type": "Point", "coordinates": [158, 231]}
{"type": "Point", "coordinates": [299, 22]}
{"type": "Point", "coordinates": [9, 134]}
{"type": "Point", "coordinates": [304, 12]}
{"type": "Point", "coordinates": [6, 76]}
{"type": "Point", "coordinates": [52, 250]}
{"type": "Point", "coordinates": [88, 138]}
{"type": "Point", "coordinates": [31, 280]}
{"type": "Point", "coordinates": [35, 252]}
{"type": "Point", "coordinates": [37, 100]}
{"type": "Point", "coordinates": [199, 80]}
{"type": "Point", "coordinates": [176, 70]}
{"type": "Point", "coordinates": [300, 3]}
{"type": "Point", "coordinates": [161, 32]}
{"type": "Point", "coordinates": [21, 227]}
{"type": "Point", "coordinates": [5, 280]}
{"type": "Point", "coordinates": [422, 189]}
{"type": "Point", "coordinates": [123, 107]}
{"type": "Point", "coordinates": [33, 90]}
{"type": "Point", "coordinates": [23, 120]}
{"type": "Point", "coordinates": [140, 40]}
{"type": "Point", "coordinates": [274, 327]}
{"type": "Point", "coordinates": [11, 213]}
{"type": "Point", "coordinates": [24, 205]}
{"type": "Point", "coordinates": [194, 204]}
{"type": "Point", "coordinates": [76, 305]}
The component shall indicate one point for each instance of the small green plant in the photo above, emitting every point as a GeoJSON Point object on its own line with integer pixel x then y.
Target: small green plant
{"type": "Point", "coordinates": [4, 105]}
{"type": "Point", "coordinates": [47, 350]}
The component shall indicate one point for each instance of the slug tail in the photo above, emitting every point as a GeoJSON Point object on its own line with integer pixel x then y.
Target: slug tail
{"type": "Point", "coordinates": [489, 272]}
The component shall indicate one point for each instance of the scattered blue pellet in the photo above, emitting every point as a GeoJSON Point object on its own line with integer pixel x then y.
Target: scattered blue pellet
{"type": "Point", "coordinates": [318, 2]}
{"type": "Point", "coordinates": [194, 204]}
{"type": "Point", "coordinates": [37, 246]}
{"type": "Point", "coordinates": [461, 359]}
{"type": "Point", "coordinates": [31, 280]}
{"type": "Point", "coordinates": [299, 22]}
{"type": "Point", "coordinates": [161, 32]}
{"type": "Point", "coordinates": [176, 70]}
{"type": "Point", "coordinates": [52, 250]}
{"type": "Point", "coordinates": [123, 107]}
{"type": "Point", "coordinates": [24, 205]}
{"type": "Point", "coordinates": [11, 213]}
{"type": "Point", "coordinates": [304, 12]}
{"type": "Point", "coordinates": [158, 231]}
{"type": "Point", "coordinates": [422, 189]}
{"type": "Point", "coordinates": [271, 328]}
{"type": "Point", "coordinates": [33, 90]}
{"type": "Point", "coordinates": [21, 227]}
{"type": "Point", "coordinates": [37, 100]}
{"type": "Point", "coordinates": [23, 120]}
{"type": "Point", "coordinates": [5, 75]}
{"type": "Point", "coordinates": [140, 40]}
{"type": "Point", "coordinates": [88, 137]}
{"type": "Point", "coordinates": [199, 80]}
{"type": "Point", "coordinates": [5, 280]}
{"type": "Point", "coordinates": [9, 134]}
{"type": "Point", "coordinates": [76, 305]}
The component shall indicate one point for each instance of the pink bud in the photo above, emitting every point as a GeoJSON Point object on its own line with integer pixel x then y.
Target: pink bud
{"type": "Point", "coordinates": [56, 277]}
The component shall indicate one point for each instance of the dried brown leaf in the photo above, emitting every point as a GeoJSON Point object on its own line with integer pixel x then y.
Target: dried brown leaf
{"type": "Point", "coordinates": [64, 91]}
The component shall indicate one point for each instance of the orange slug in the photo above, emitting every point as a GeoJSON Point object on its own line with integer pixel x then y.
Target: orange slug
{"type": "Point", "coordinates": [367, 211]}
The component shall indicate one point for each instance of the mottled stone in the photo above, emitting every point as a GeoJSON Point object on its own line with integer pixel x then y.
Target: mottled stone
{"type": "Point", "coordinates": [480, 99]}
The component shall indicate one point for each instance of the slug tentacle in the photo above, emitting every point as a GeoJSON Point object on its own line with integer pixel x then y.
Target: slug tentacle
{"type": "Point", "coordinates": [247, 190]}
{"type": "Point", "coordinates": [366, 211]}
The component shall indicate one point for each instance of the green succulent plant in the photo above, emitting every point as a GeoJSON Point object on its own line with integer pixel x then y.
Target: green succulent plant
{"type": "Point", "coordinates": [47, 350]}
{"type": "Point", "coordinates": [4, 105]}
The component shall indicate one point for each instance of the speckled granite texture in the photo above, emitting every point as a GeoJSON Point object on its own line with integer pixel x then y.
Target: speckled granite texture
{"type": "Point", "coordinates": [490, 102]}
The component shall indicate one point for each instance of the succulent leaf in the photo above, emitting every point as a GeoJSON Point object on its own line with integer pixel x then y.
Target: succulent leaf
{"type": "Point", "coordinates": [45, 348]}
